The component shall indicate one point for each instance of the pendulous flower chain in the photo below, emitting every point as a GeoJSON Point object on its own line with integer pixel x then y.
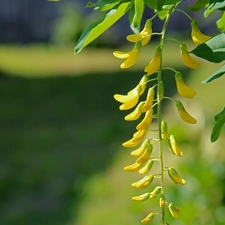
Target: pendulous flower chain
{"type": "Point", "coordinates": [149, 110]}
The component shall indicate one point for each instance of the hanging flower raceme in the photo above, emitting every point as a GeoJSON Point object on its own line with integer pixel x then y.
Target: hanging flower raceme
{"type": "Point", "coordinates": [130, 58]}
{"type": "Point", "coordinates": [184, 114]}
{"type": "Point", "coordinates": [182, 88]}
{"type": "Point", "coordinates": [187, 59]}
{"type": "Point", "coordinates": [144, 36]}
{"type": "Point", "coordinates": [154, 64]}
{"type": "Point", "coordinates": [197, 36]}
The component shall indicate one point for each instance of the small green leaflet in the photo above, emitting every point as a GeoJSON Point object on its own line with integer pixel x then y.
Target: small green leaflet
{"type": "Point", "coordinates": [213, 50]}
{"type": "Point", "coordinates": [95, 29]}
{"type": "Point", "coordinates": [215, 5]}
{"type": "Point", "coordinates": [220, 72]}
{"type": "Point", "coordinates": [221, 22]}
{"type": "Point", "coordinates": [220, 121]}
{"type": "Point", "coordinates": [200, 4]}
{"type": "Point", "coordinates": [136, 15]}
{"type": "Point", "coordinates": [103, 5]}
{"type": "Point", "coordinates": [158, 4]}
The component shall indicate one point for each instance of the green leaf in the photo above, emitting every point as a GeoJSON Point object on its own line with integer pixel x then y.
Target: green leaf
{"type": "Point", "coordinates": [95, 29]}
{"type": "Point", "coordinates": [151, 3]}
{"type": "Point", "coordinates": [163, 13]}
{"type": "Point", "coordinates": [200, 4]}
{"type": "Point", "coordinates": [158, 4]}
{"type": "Point", "coordinates": [103, 5]}
{"type": "Point", "coordinates": [136, 16]}
{"type": "Point", "coordinates": [217, 116]}
{"type": "Point", "coordinates": [220, 72]}
{"type": "Point", "coordinates": [221, 22]}
{"type": "Point", "coordinates": [213, 50]}
{"type": "Point", "coordinates": [218, 127]}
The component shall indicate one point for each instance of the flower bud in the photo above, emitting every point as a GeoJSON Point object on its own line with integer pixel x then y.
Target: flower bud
{"type": "Point", "coordinates": [169, 145]}
{"type": "Point", "coordinates": [176, 150]}
{"type": "Point", "coordinates": [141, 198]}
{"type": "Point", "coordinates": [147, 167]}
{"type": "Point", "coordinates": [138, 152]}
{"type": "Point", "coordinates": [164, 129]}
{"type": "Point", "coordinates": [145, 123]}
{"type": "Point", "coordinates": [155, 192]}
{"type": "Point", "coordinates": [148, 219]}
{"type": "Point", "coordinates": [162, 202]}
{"type": "Point", "coordinates": [154, 64]}
{"type": "Point", "coordinates": [150, 97]}
{"type": "Point", "coordinates": [143, 83]}
{"type": "Point", "coordinates": [182, 88]}
{"type": "Point", "coordinates": [133, 167]}
{"type": "Point", "coordinates": [187, 59]}
{"type": "Point", "coordinates": [135, 114]}
{"type": "Point", "coordinates": [174, 210]}
{"type": "Point", "coordinates": [183, 113]}
{"type": "Point", "coordinates": [145, 156]}
{"type": "Point", "coordinates": [197, 36]}
{"type": "Point", "coordinates": [144, 182]}
{"type": "Point", "coordinates": [175, 177]}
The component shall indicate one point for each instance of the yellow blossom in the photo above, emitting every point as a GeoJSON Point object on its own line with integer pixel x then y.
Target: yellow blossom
{"type": "Point", "coordinates": [145, 156]}
{"type": "Point", "coordinates": [174, 210]}
{"type": "Point", "coordinates": [138, 152]}
{"type": "Point", "coordinates": [175, 148]}
{"type": "Point", "coordinates": [175, 177]}
{"type": "Point", "coordinates": [155, 192]}
{"type": "Point", "coordinates": [133, 167]}
{"type": "Point", "coordinates": [144, 36]}
{"type": "Point", "coordinates": [187, 59]}
{"type": "Point", "coordinates": [197, 36]}
{"type": "Point", "coordinates": [148, 218]}
{"type": "Point", "coordinates": [149, 100]}
{"type": "Point", "coordinates": [144, 182]}
{"type": "Point", "coordinates": [130, 58]}
{"type": "Point", "coordinates": [184, 115]}
{"type": "Point", "coordinates": [136, 113]}
{"type": "Point", "coordinates": [141, 198]}
{"type": "Point", "coordinates": [154, 64]}
{"type": "Point", "coordinates": [146, 168]}
{"type": "Point", "coordinates": [182, 88]}
{"type": "Point", "coordinates": [164, 128]}
{"type": "Point", "coordinates": [145, 123]}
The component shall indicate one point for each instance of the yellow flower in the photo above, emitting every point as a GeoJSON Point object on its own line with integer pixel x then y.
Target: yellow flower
{"type": "Point", "coordinates": [155, 192]}
{"type": "Point", "coordinates": [183, 113]}
{"type": "Point", "coordinates": [144, 182]}
{"type": "Point", "coordinates": [129, 100]}
{"type": "Point", "coordinates": [150, 97]}
{"type": "Point", "coordinates": [197, 36]}
{"type": "Point", "coordinates": [141, 198]}
{"type": "Point", "coordinates": [146, 168]}
{"type": "Point", "coordinates": [154, 64]}
{"type": "Point", "coordinates": [174, 210]}
{"type": "Point", "coordinates": [187, 59]}
{"type": "Point", "coordinates": [145, 35]}
{"type": "Point", "coordinates": [138, 152]}
{"type": "Point", "coordinates": [175, 177]}
{"type": "Point", "coordinates": [135, 114]}
{"type": "Point", "coordinates": [130, 58]}
{"type": "Point", "coordinates": [145, 123]}
{"type": "Point", "coordinates": [175, 148]}
{"type": "Point", "coordinates": [148, 218]}
{"type": "Point", "coordinates": [145, 156]}
{"type": "Point", "coordinates": [133, 167]}
{"type": "Point", "coordinates": [182, 88]}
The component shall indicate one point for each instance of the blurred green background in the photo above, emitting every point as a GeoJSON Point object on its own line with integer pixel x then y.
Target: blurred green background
{"type": "Point", "coordinates": [61, 132]}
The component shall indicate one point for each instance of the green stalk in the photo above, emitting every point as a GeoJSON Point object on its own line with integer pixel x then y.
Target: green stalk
{"type": "Point", "coordinates": [159, 107]}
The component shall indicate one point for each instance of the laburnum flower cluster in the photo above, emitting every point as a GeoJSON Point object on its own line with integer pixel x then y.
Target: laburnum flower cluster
{"type": "Point", "coordinates": [146, 109]}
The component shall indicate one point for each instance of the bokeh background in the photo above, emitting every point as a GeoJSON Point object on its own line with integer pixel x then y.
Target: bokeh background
{"type": "Point", "coordinates": [61, 160]}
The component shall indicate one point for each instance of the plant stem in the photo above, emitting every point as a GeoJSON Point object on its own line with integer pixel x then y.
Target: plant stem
{"type": "Point", "coordinates": [159, 108]}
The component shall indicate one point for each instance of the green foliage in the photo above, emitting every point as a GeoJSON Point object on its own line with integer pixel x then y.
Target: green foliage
{"type": "Point", "coordinates": [103, 5]}
{"type": "Point", "coordinates": [97, 28]}
{"type": "Point", "coordinates": [220, 72]}
{"type": "Point", "coordinates": [212, 50]}
{"type": "Point", "coordinates": [220, 121]}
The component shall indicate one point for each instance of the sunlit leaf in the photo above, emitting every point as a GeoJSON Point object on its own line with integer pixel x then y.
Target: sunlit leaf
{"type": "Point", "coordinates": [213, 50]}
{"type": "Point", "coordinates": [136, 15]}
{"type": "Point", "coordinates": [95, 29]}
{"type": "Point", "coordinates": [218, 126]}
{"type": "Point", "coordinates": [217, 116]}
{"type": "Point", "coordinates": [220, 72]}
{"type": "Point", "coordinates": [221, 22]}
{"type": "Point", "coordinates": [103, 5]}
